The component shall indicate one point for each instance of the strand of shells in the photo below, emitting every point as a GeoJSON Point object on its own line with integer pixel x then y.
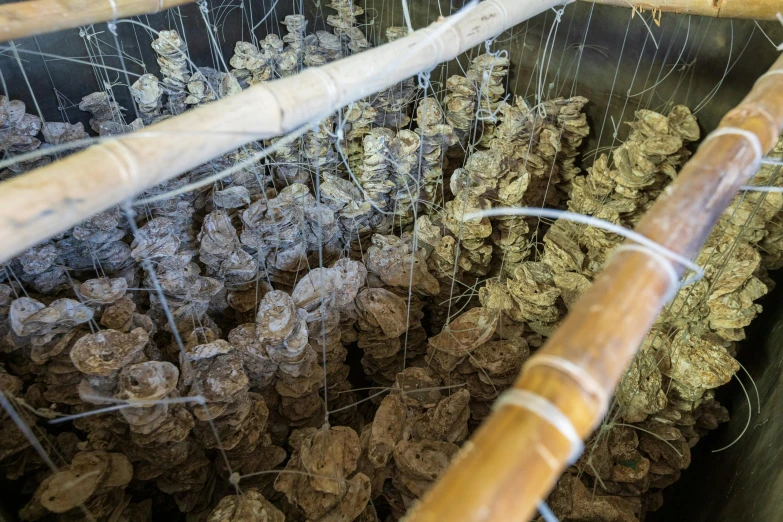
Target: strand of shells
{"type": "Point", "coordinates": [172, 59]}
{"type": "Point", "coordinates": [666, 399]}
{"type": "Point", "coordinates": [18, 131]}
{"type": "Point", "coordinates": [148, 95]}
{"type": "Point", "coordinates": [293, 54]}
{"type": "Point", "coordinates": [460, 106]}
{"type": "Point", "coordinates": [107, 118]}
{"type": "Point", "coordinates": [252, 65]}
{"type": "Point", "coordinates": [488, 74]}
{"type": "Point", "coordinates": [517, 170]}
{"type": "Point", "coordinates": [771, 250]}
{"type": "Point", "coordinates": [344, 24]}
{"type": "Point", "coordinates": [207, 85]}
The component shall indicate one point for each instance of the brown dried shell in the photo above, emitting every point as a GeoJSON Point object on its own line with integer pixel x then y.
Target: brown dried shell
{"type": "Point", "coordinates": [250, 506]}
{"type": "Point", "coordinates": [467, 332]}
{"type": "Point", "coordinates": [425, 459]}
{"type": "Point", "coordinates": [147, 381]}
{"type": "Point", "coordinates": [387, 428]}
{"type": "Point", "coordinates": [105, 352]}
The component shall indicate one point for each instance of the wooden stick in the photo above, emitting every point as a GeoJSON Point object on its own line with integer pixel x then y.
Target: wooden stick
{"type": "Point", "coordinates": [514, 459]}
{"type": "Point", "coordinates": [751, 9]}
{"type": "Point", "coordinates": [43, 202]}
{"type": "Point", "coordinates": [36, 17]}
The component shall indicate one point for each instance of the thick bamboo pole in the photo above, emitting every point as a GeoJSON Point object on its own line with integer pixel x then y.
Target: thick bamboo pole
{"type": "Point", "coordinates": [51, 199]}
{"type": "Point", "coordinates": [515, 458]}
{"type": "Point", "coordinates": [34, 17]}
{"type": "Point", "coordinates": [751, 9]}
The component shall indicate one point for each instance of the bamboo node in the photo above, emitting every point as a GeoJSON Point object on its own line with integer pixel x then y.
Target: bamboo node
{"type": "Point", "coordinates": [125, 162]}
{"type": "Point", "coordinates": [770, 73]}
{"type": "Point", "coordinates": [751, 137]}
{"type": "Point", "coordinates": [538, 405]}
{"type": "Point", "coordinates": [674, 287]}
{"type": "Point", "coordinates": [582, 377]}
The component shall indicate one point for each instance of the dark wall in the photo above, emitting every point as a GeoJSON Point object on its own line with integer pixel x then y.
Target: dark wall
{"type": "Point", "coordinates": [619, 55]}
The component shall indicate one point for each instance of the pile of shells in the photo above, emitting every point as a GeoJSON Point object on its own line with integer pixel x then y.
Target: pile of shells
{"type": "Point", "coordinates": [314, 337]}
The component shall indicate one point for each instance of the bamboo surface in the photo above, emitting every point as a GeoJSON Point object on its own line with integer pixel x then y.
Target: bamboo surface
{"type": "Point", "coordinates": [46, 201]}
{"type": "Point", "coordinates": [34, 17]}
{"type": "Point", "coordinates": [515, 458]}
{"type": "Point", "coordinates": [750, 9]}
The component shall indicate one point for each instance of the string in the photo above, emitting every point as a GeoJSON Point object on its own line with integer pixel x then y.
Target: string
{"type": "Point", "coordinates": [581, 376]}
{"type": "Point", "coordinates": [135, 404]}
{"type": "Point", "coordinates": [546, 513]}
{"type": "Point", "coordinates": [594, 222]}
{"type": "Point", "coordinates": [674, 280]}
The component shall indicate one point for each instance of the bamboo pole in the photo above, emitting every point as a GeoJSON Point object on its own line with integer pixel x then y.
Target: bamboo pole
{"type": "Point", "coordinates": [515, 458]}
{"type": "Point", "coordinates": [43, 202]}
{"type": "Point", "coordinates": [34, 17]}
{"type": "Point", "coordinates": [750, 9]}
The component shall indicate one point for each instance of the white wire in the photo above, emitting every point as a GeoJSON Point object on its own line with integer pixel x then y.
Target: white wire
{"type": "Point", "coordinates": [547, 514]}
{"type": "Point", "coordinates": [407, 16]}
{"type": "Point", "coordinates": [754, 140]}
{"type": "Point", "coordinates": [594, 222]}
{"type": "Point", "coordinates": [582, 377]}
{"type": "Point", "coordinates": [547, 411]}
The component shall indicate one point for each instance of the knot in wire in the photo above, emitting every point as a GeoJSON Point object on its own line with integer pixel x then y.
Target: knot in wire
{"type": "Point", "coordinates": [112, 26]}
{"type": "Point", "coordinates": [127, 208]}
{"type": "Point", "coordinates": [424, 79]}
{"type": "Point", "coordinates": [541, 110]}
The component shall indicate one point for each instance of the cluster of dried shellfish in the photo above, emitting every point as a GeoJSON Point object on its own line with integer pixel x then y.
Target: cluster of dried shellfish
{"type": "Point", "coordinates": [314, 337]}
{"type": "Point", "coordinates": [666, 400]}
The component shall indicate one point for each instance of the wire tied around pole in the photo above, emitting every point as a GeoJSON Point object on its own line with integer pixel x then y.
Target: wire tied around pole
{"type": "Point", "coordinates": [674, 285]}
{"type": "Point", "coordinates": [585, 380]}
{"type": "Point", "coordinates": [752, 138]}
{"type": "Point", "coordinates": [540, 406]}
